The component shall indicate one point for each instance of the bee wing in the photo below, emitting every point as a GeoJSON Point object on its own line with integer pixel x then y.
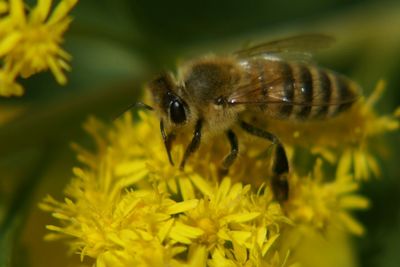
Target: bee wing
{"type": "Point", "coordinates": [296, 46]}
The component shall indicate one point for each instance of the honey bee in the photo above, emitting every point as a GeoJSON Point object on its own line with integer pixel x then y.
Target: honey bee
{"type": "Point", "coordinates": [211, 94]}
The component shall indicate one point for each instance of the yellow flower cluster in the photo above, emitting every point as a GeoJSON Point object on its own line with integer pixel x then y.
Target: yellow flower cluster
{"type": "Point", "coordinates": [127, 206]}
{"type": "Point", "coordinates": [30, 41]}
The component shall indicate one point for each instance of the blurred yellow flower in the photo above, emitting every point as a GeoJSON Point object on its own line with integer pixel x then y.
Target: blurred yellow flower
{"type": "Point", "coordinates": [127, 206]}
{"type": "Point", "coordinates": [30, 42]}
{"type": "Point", "coordinates": [320, 203]}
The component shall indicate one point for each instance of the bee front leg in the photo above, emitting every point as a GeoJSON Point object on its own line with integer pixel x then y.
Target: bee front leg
{"type": "Point", "coordinates": [280, 165]}
{"type": "Point", "coordinates": [230, 158]}
{"type": "Point", "coordinates": [194, 144]}
{"type": "Point", "coordinates": [168, 139]}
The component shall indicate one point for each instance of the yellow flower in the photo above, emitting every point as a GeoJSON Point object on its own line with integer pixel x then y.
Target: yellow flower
{"type": "Point", "coordinates": [3, 7]}
{"type": "Point", "coordinates": [239, 256]}
{"type": "Point", "coordinates": [127, 206]}
{"type": "Point", "coordinates": [30, 42]}
{"type": "Point", "coordinates": [132, 150]}
{"type": "Point", "coordinates": [103, 216]}
{"type": "Point", "coordinates": [320, 203]}
{"type": "Point", "coordinates": [8, 86]}
{"type": "Point", "coordinates": [221, 216]}
{"type": "Point", "coordinates": [140, 252]}
{"type": "Point", "coordinates": [122, 200]}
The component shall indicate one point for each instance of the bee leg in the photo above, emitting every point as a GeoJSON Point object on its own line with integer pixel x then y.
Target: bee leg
{"type": "Point", "coordinates": [280, 170]}
{"type": "Point", "coordinates": [168, 139]}
{"type": "Point", "coordinates": [280, 165]}
{"type": "Point", "coordinates": [194, 144]}
{"type": "Point", "coordinates": [230, 158]}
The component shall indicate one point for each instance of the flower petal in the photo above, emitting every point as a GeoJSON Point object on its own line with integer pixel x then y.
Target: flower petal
{"type": "Point", "coordinates": [9, 42]}
{"type": "Point", "coordinates": [41, 11]}
{"type": "Point", "coordinates": [17, 12]}
{"type": "Point", "coordinates": [61, 11]}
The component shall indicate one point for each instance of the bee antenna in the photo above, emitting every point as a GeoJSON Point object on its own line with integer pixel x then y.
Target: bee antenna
{"type": "Point", "coordinates": [141, 105]}
{"type": "Point", "coordinates": [136, 105]}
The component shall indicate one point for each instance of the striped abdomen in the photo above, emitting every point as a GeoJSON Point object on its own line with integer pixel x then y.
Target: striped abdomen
{"type": "Point", "coordinates": [296, 90]}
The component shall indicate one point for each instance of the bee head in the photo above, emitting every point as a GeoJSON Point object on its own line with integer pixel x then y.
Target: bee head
{"type": "Point", "coordinates": [165, 95]}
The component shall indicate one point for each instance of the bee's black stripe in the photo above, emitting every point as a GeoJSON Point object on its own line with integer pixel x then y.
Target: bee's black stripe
{"type": "Point", "coordinates": [324, 94]}
{"type": "Point", "coordinates": [339, 88]}
{"type": "Point", "coordinates": [288, 89]}
{"type": "Point", "coordinates": [344, 93]}
{"type": "Point", "coordinates": [305, 83]}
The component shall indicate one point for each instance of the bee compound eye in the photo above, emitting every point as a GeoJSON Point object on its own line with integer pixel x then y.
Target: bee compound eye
{"type": "Point", "coordinates": [177, 112]}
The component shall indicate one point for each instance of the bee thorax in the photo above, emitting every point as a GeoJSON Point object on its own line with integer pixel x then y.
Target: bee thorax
{"type": "Point", "coordinates": [218, 119]}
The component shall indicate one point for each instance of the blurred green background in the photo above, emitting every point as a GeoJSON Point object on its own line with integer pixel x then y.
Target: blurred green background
{"type": "Point", "coordinates": [118, 44]}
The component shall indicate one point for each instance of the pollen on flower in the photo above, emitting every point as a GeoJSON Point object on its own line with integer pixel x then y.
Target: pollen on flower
{"type": "Point", "coordinates": [126, 205]}
{"type": "Point", "coordinates": [30, 42]}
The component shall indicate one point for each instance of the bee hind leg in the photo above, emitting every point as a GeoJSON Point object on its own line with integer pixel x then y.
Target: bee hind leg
{"type": "Point", "coordinates": [280, 165]}
{"type": "Point", "coordinates": [230, 158]}
{"type": "Point", "coordinates": [280, 170]}
{"type": "Point", "coordinates": [194, 144]}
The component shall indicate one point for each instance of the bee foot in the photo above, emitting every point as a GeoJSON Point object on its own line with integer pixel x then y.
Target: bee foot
{"type": "Point", "coordinates": [222, 172]}
{"type": "Point", "coordinates": [280, 187]}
